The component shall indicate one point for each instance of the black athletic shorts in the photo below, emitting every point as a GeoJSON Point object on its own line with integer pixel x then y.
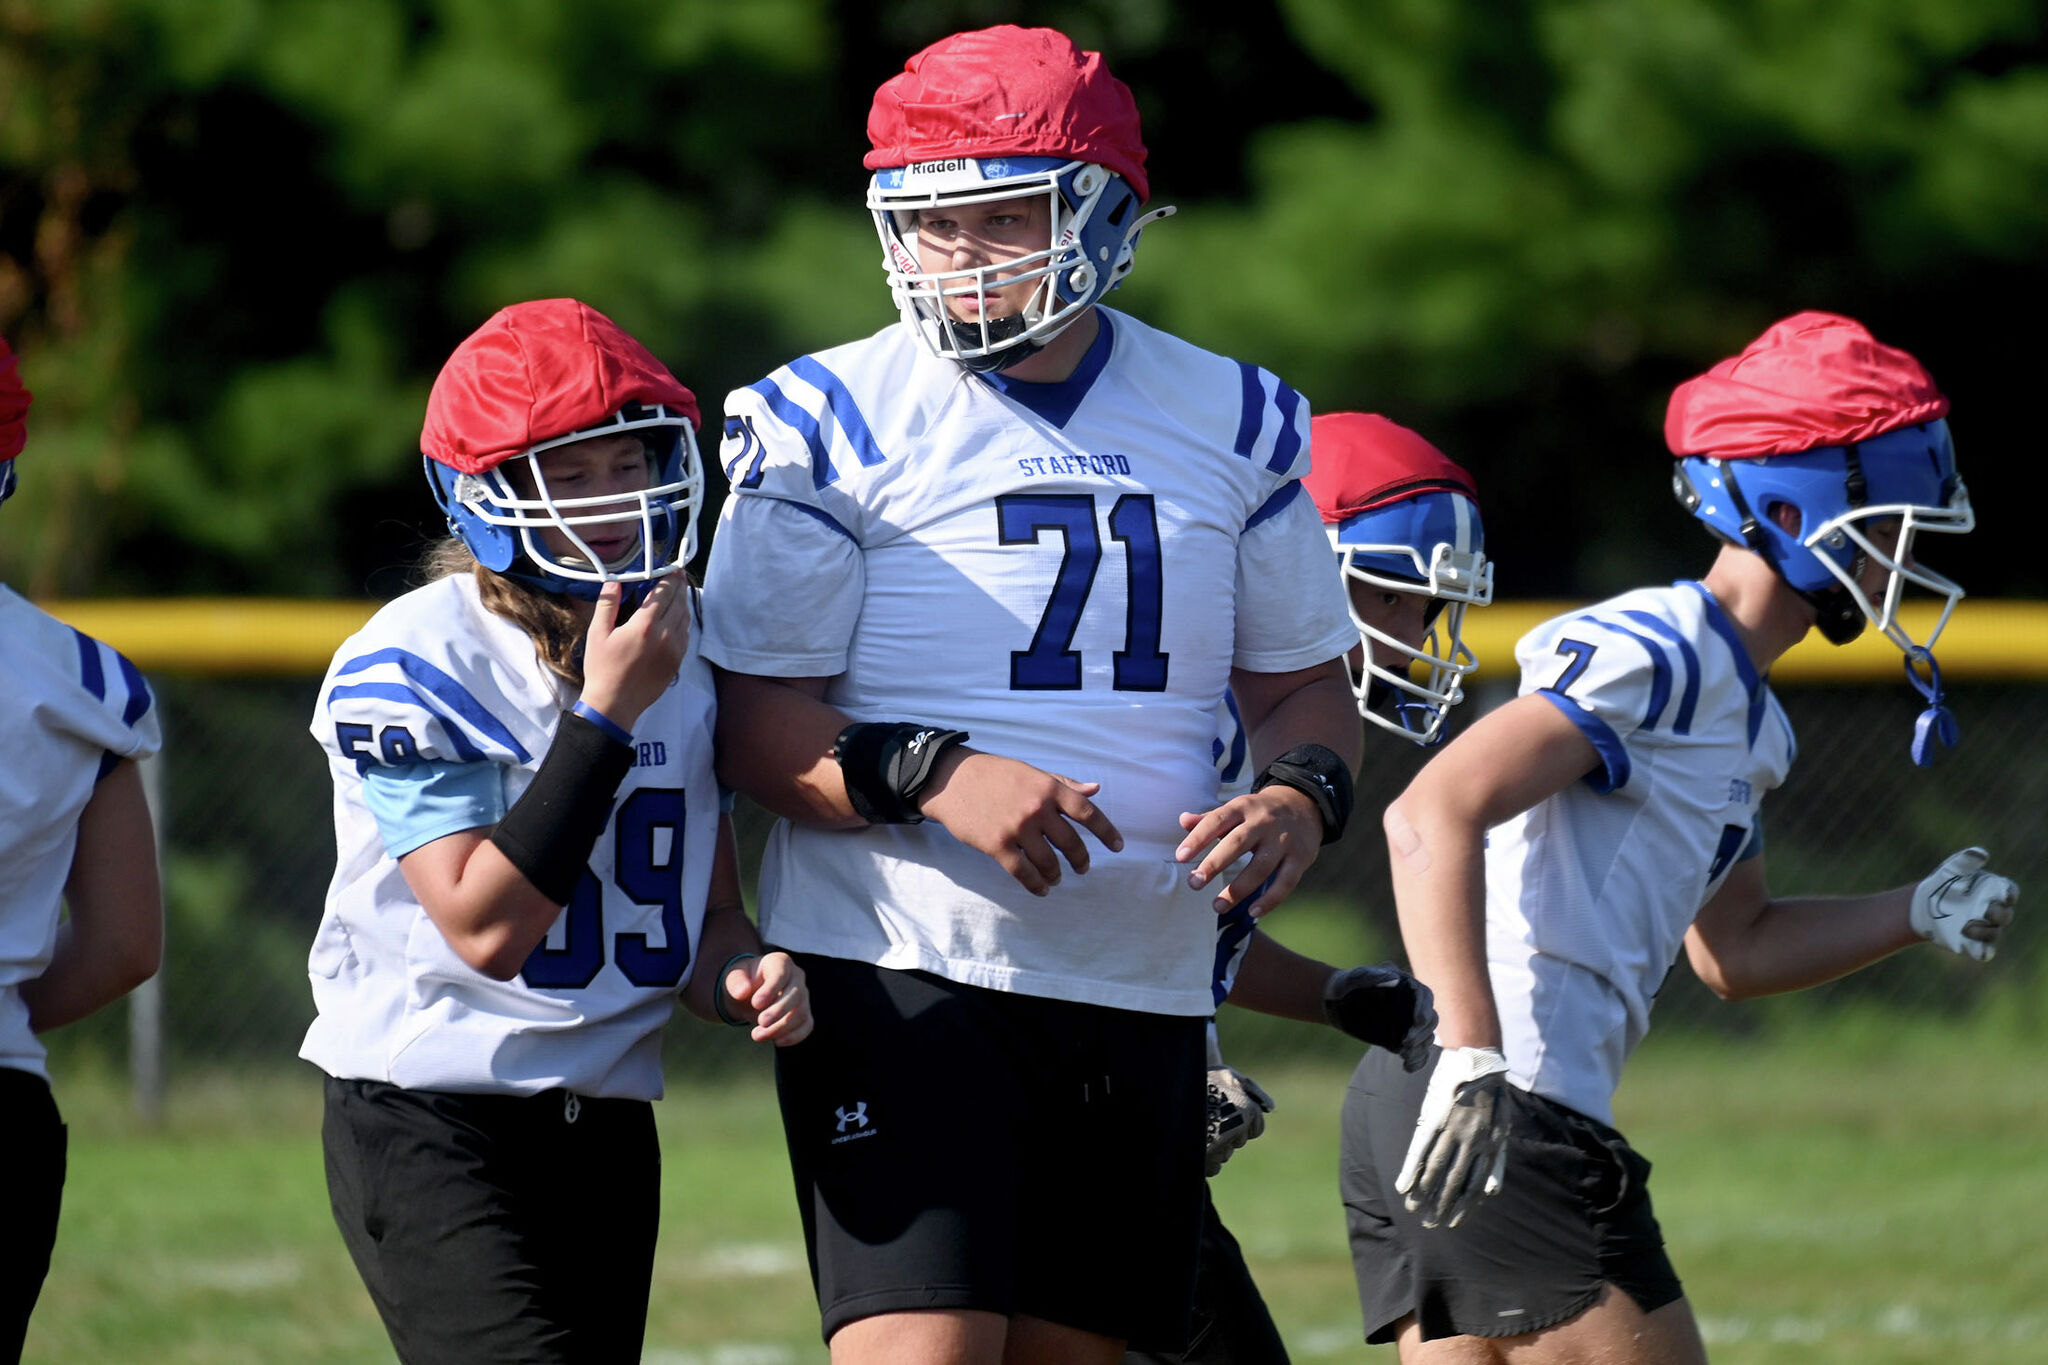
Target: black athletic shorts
{"type": "Point", "coordinates": [497, 1227]}
{"type": "Point", "coordinates": [956, 1147]}
{"type": "Point", "coordinates": [1232, 1325]}
{"type": "Point", "coordinates": [1573, 1214]}
{"type": "Point", "coordinates": [32, 1146]}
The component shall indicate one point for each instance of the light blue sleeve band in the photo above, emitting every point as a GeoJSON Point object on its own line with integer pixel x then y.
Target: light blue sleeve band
{"type": "Point", "coordinates": [602, 722]}
{"type": "Point", "coordinates": [420, 802]}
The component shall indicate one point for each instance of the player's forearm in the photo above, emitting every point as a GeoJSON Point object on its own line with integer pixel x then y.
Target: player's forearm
{"type": "Point", "coordinates": [114, 939]}
{"type": "Point", "coordinates": [1312, 706]}
{"type": "Point", "coordinates": [1809, 940]}
{"type": "Point", "coordinates": [775, 738]}
{"type": "Point", "coordinates": [487, 910]}
{"type": "Point", "coordinates": [1438, 868]}
{"type": "Point", "coordinates": [1276, 980]}
{"type": "Point", "coordinates": [726, 930]}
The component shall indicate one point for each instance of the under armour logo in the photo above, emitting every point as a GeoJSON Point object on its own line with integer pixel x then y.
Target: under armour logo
{"type": "Point", "coordinates": [917, 741]}
{"type": "Point", "coordinates": [856, 1117]}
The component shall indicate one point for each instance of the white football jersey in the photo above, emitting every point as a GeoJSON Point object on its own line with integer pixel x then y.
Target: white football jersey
{"type": "Point", "coordinates": [1590, 892]}
{"type": "Point", "coordinates": [436, 677]}
{"type": "Point", "coordinates": [1068, 572]}
{"type": "Point", "coordinates": [70, 708]}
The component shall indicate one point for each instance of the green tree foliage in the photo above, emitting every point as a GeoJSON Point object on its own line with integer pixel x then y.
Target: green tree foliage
{"type": "Point", "coordinates": [238, 236]}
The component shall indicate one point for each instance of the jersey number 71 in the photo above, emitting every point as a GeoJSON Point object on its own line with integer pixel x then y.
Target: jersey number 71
{"type": "Point", "coordinates": [1052, 663]}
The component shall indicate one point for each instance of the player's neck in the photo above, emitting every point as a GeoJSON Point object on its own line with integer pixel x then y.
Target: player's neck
{"type": "Point", "coordinates": [1767, 615]}
{"type": "Point", "coordinates": [1060, 357]}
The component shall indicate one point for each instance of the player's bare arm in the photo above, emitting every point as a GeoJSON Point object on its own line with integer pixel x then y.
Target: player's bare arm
{"type": "Point", "coordinates": [114, 939]}
{"type": "Point", "coordinates": [1436, 830]}
{"type": "Point", "coordinates": [490, 912]}
{"type": "Point", "coordinates": [777, 738]}
{"type": "Point", "coordinates": [1379, 1005]}
{"type": "Point", "coordinates": [738, 981]}
{"type": "Point", "coordinates": [1746, 944]}
{"type": "Point", "coordinates": [1436, 837]}
{"type": "Point", "coordinates": [1279, 826]}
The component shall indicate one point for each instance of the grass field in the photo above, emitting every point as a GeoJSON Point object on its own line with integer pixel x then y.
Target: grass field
{"type": "Point", "coordinates": [1861, 1197]}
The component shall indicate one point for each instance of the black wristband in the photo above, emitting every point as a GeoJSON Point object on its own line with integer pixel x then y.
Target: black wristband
{"type": "Point", "coordinates": [549, 830]}
{"type": "Point", "coordinates": [886, 766]}
{"type": "Point", "coordinates": [1321, 776]}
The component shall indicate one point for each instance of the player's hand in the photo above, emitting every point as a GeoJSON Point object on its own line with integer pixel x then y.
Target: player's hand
{"type": "Point", "coordinates": [1386, 1007]}
{"type": "Point", "coordinates": [771, 988]}
{"type": "Point", "coordinates": [1962, 907]}
{"type": "Point", "coordinates": [628, 665]}
{"type": "Point", "coordinates": [1460, 1144]}
{"type": "Point", "coordinates": [1237, 1114]}
{"type": "Point", "coordinates": [1279, 827]}
{"type": "Point", "coordinates": [1023, 817]}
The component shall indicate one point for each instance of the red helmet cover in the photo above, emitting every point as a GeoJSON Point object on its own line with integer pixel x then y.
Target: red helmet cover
{"type": "Point", "coordinates": [1811, 380]}
{"type": "Point", "coordinates": [1361, 460]}
{"type": "Point", "coordinates": [14, 401]}
{"type": "Point", "coordinates": [534, 372]}
{"type": "Point", "coordinates": [1007, 91]}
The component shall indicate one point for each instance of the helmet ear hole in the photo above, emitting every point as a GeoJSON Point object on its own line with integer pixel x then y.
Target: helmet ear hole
{"type": "Point", "coordinates": [1786, 516]}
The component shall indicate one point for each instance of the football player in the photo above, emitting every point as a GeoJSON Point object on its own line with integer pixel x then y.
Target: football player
{"type": "Point", "coordinates": [532, 859]}
{"type": "Point", "coordinates": [75, 832]}
{"type": "Point", "coordinates": [1551, 862]}
{"type": "Point", "coordinates": [1404, 521]}
{"type": "Point", "coordinates": [966, 600]}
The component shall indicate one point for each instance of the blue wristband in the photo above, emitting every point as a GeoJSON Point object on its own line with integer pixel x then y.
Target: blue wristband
{"type": "Point", "coordinates": [602, 722]}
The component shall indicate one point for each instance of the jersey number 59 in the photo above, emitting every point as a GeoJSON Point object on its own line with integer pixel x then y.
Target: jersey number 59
{"type": "Point", "coordinates": [647, 868]}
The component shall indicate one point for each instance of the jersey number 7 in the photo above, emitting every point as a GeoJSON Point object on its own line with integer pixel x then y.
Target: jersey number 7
{"type": "Point", "coordinates": [1052, 664]}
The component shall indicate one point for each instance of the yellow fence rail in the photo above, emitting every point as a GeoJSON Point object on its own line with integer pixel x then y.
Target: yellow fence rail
{"type": "Point", "coordinates": [1988, 639]}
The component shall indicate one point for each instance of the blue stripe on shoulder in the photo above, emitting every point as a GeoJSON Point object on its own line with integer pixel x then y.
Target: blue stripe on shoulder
{"type": "Point", "coordinates": [90, 671]}
{"type": "Point", "coordinates": [1254, 414]}
{"type": "Point", "coordinates": [800, 421]}
{"type": "Point", "coordinates": [1287, 444]}
{"type": "Point", "coordinates": [465, 747]}
{"type": "Point", "coordinates": [444, 689]}
{"type": "Point", "coordinates": [1275, 505]}
{"type": "Point", "coordinates": [1613, 753]}
{"type": "Point", "coordinates": [139, 697]}
{"type": "Point", "coordinates": [845, 412]}
{"type": "Point", "coordinates": [1660, 670]}
{"type": "Point", "coordinates": [1664, 630]}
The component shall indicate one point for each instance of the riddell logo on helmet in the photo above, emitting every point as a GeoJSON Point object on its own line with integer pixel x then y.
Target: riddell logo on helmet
{"type": "Point", "coordinates": [952, 167]}
{"type": "Point", "coordinates": [903, 259]}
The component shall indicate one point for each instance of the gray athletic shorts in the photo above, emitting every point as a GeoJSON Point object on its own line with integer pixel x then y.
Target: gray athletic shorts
{"type": "Point", "coordinates": [1572, 1216]}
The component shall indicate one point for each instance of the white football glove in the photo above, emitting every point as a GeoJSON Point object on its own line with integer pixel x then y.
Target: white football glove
{"type": "Point", "coordinates": [1962, 907]}
{"type": "Point", "coordinates": [1461, 1136]}
{"type": "Point", "coordinates": [1237, 1114]}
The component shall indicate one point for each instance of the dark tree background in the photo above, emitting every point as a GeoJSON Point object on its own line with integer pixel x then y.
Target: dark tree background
{"type": "Point", "coordinates": [237, 237]}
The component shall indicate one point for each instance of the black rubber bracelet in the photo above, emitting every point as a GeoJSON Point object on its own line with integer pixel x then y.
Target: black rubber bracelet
{"type": "Point", "coordinates": [719, 997]}
{"type": "Point", "coordinates": [887, 765]}
{"type": "Point", "coordinates": [548, 832]}
{"type": "Point", "coordinates": [1320, 775]}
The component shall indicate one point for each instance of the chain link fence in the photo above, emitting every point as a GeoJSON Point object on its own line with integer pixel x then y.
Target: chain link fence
{"type": "Point", "coordinates": [249, 848]}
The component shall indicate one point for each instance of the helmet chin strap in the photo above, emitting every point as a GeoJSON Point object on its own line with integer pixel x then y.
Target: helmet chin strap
{"type": "Point", "coordinates": [1937, 724]}
{"type": "Point", "coordinates": [980, 335]}
{"type": "Point", "coordinates": [1412, 715]}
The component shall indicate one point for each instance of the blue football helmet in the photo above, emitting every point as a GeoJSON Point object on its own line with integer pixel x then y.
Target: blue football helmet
{"type": "Point", "coordinates": [1841, 493]}
{"type": "Point", "coordinates": [1430, 544]}
{"type": "Point", "coordinates": [1094, 220]}
{"type": "Point", "coordinates": [498, 521]}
